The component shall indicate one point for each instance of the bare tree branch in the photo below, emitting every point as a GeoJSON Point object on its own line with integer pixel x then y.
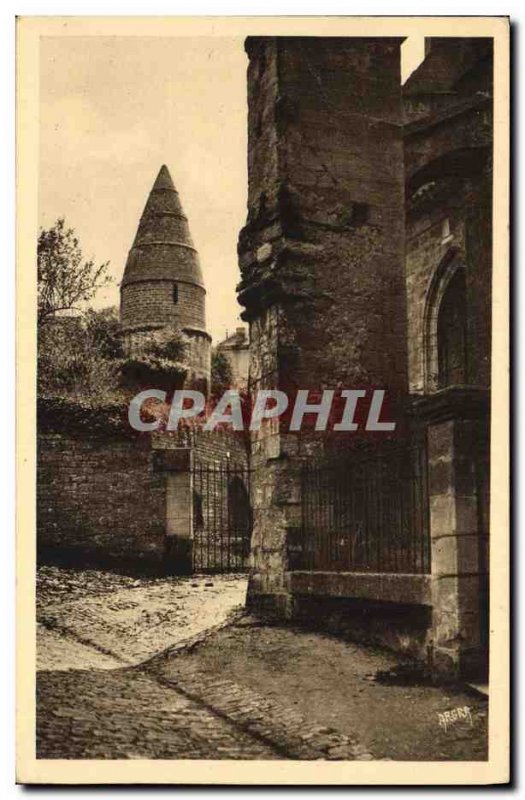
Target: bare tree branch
{"type": "Point", "coordinates": [64, 279]}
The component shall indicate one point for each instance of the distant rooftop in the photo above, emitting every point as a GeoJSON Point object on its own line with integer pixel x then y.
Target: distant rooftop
{"type": "Point", "coordinates": [239, 338]}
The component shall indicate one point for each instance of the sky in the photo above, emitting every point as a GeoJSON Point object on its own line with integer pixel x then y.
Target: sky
{"type": "Point", "coordinates": [113, 110]}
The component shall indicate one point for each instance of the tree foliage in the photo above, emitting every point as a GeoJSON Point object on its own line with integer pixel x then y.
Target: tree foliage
{"type": "Point", "coordinates": [78, 359]}
{"type": "Point", "coordinates": [82, 359]}
{"type": "Point", "coordinates": [81, 356]}
{"type": "Point", "coordinates": [221, 373]}
{"type": "Point", "coordinates": [65, 279]}
{"type": "Point", "coordinates": [161, 361]}
{"type": "Point", "coordinates": [103, 329]}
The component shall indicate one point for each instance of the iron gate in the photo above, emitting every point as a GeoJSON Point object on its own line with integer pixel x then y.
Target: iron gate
{"type": "Point", "coordinates": [366, 513]}
{"type": "Point", "coordinates": [222, 517]}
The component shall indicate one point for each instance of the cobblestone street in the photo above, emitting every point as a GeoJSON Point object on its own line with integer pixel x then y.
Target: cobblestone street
{"type": "Point", "coordinates": [295, 679]}
{"type": "Point", "coordinates": [130, 669]}
{"type": "Point", "coordinates": [123, 620]}
{"type": "Point", "coordinates": [126, 714]}
{"type": "Point", "coordinates": [90, 624]}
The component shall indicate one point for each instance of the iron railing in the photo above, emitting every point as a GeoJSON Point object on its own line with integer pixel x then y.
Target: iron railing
{"type": "Point", "coordinates": [365, 513]}
{"type": "Point", "coordinates": [222, 517]}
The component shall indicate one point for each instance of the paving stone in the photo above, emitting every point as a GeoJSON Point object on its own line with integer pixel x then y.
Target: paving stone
{"type": "Point", "coordinates": [277, 724]}
{"type": "Point", "coordinates": [150, 721]}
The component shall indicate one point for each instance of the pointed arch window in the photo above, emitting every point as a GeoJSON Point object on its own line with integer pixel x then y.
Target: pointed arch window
{"type": "Point", "coordinates": [445, 328]}
{"type": "Point", "coordinates": [452, 333]}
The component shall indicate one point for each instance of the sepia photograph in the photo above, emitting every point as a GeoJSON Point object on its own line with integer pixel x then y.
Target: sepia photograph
{"type": "Point", "coordinates": [259, 306]}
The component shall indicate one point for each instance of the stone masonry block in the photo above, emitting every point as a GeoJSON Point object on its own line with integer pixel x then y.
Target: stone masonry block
{"type": "Point", "coordinates": [442, 515]}
{"type": "Point", "coordinates": [455, 555]}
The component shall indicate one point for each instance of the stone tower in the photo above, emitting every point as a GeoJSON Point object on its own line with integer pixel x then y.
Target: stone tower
{"type": "Point", "coordinates": [163, 283]}
{"type": "Point", "coordinates": [321, 254]}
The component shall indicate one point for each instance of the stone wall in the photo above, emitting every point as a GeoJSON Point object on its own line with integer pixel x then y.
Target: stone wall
{"type": "Point", "coordinates": [99, 500]}
{"type": "Point", "coordinates": [447, 153]}
{"type": "Point", "coordinates": [208, 447]}
{"type": "Point", "coordinates": [104, 494]}
{"type": "Point", "coordinates": [324, 236]}
{"type": "Point", "coordinates": [450, 227]}
{"type": "Point", "coordinates": [199, 359]}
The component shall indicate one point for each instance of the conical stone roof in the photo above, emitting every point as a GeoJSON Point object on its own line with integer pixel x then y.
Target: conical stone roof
{"type": "Point", "coordinates": [163, 248]}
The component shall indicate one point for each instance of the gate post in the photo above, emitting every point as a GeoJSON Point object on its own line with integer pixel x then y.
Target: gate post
{"type": "Point", "coordinates": [456, 440]}
{"type": "Point", "coordinates": [177, 464]}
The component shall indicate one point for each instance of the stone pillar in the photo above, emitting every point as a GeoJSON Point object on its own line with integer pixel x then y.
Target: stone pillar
{"type": "Point", "coordinates": [321, 254]}
{"type": "Point", "coordinates": [176, 464]}
{"type": "Point", "coordinates": [276, 521]}
{"type": "Point", "coordinates": [457, 470]}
